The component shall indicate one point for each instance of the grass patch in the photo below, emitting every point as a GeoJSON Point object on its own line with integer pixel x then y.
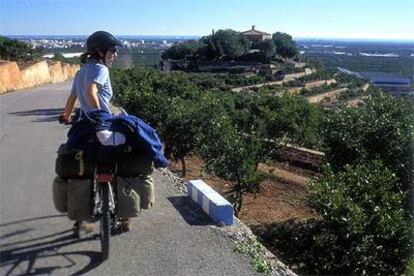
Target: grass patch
{"type": "Point", "coordinates": [254, 249]}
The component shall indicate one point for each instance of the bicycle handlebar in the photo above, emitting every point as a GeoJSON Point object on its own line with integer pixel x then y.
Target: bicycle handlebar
{"type": "Point", "coordinates": [62, 120]}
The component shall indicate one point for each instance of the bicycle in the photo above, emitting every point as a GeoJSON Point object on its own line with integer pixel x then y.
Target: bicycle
{"type": "Point", "coordinates": [104, 197]}
{"type": "Point", "coordinates": [104, 203]}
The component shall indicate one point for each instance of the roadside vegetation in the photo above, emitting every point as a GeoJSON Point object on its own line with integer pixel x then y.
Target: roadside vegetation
{"type": "Point", "coordinates": [361, 195]}
{"type": "Point", "coordinates": [14, 50]}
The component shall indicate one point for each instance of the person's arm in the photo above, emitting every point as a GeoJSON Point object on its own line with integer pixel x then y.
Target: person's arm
{"type": "Point", "coordinates": [70, 105]}
{"type": "Point", "coordinates": [92, 95]}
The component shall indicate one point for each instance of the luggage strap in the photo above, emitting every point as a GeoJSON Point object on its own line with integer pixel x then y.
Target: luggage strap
{"type": "Point", "coordinates": [79, 157]}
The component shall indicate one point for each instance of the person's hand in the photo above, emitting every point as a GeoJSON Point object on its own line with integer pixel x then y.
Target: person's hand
{"type": "Point", "coordinates": [64, 119]}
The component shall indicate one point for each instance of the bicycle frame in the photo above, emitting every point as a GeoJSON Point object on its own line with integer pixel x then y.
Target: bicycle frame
{"type": "Point", "coordinates": [99, 180]}
{"type": "Point", "coordinates": [104, 207]}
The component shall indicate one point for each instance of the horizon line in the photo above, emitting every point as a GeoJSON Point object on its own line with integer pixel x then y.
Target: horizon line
{"type": "Point", "coordinates": [186, 35]}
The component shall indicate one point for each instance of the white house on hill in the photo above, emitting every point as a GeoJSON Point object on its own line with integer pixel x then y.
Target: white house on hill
{"type": "Point", "coordinates": [256, 35]}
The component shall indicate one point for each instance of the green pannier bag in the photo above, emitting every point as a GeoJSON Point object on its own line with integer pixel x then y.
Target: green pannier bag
{"type": "Point", "coordinates": [72, 163]}
{"type": "Point", "coordinates": [142, 185]}
{"type": "Point", "coordinates": [135, 164]}
{"type": "Point", "coordinates": [128, 204]}
{"type": "Point", "coordinates": [78, 164]}
{"type": "Point", "coordinates": [60, 194]}
{"type": "Point", "coordinates": [80, 199]}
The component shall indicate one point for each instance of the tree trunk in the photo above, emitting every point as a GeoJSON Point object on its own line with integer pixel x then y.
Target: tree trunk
{"type": "Point", "coordinates": [183, 168]}
{"type": "Point", "coordinates": [239, 196]}
{"type": "Point", "coordinates": [237, 199]}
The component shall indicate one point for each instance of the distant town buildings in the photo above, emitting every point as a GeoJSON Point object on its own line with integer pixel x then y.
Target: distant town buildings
{"type": "Point", "coordinates": [69, 43]}
{"type": "Point", "coordinates": [256, 35]}
{"type": "Point", "coordinates": [54, 43]}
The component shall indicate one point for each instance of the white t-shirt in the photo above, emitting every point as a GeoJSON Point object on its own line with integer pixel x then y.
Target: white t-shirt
{"type": "Point", "coordinates": [93, 73]}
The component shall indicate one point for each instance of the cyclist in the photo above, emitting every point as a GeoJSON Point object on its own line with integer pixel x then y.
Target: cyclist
{"type": "Point", "coordinates": [92, 87]}
{"type": "Point", "coordinates": [92, 84]}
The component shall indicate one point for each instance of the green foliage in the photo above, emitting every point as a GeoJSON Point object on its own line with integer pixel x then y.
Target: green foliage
{"type": "Point", "coordinates": [253, 248]}
{"type": "Point", "coordinates": [363, 195]}
{"type": "Point", "coordinates": [315, 90]}
{"type": "Point", "coordinates": [182, 128]}
{"type": "Point", "coordinates": [289, 118]}
{"type": "Point", "coordinates": [300, 121]}
{"type": "Point", "coordinates": [365, 203]}
{"type": "Point", "coordinates": [364, 226]}
{"type": "Point", "coordinates": [232, 155]}
{"type": "Point", "coordinates": [222, 81]}
{"type": "Point", "coordinates": [228, 129]}
{"type": "Point", "coordinates": [285, 46]}
{"type": "Point", "coordinates": [15, 50]}
{"type": "Point", "coordinates": [267, 48]}
{"type": "Point", "coordinates": [351, 94]}
{"type": "Point", "coordinates": [135, 92]}
{"type": "Point", "coordinates": [350, 80]}
{"type": "Point", "coordinates": [168, 102]}
{"type": "Point", "coordinates": [309, 247]}
{"type": "Point", "coordinates": [261, 265]}
{"type": "Point", "coordinates": [381, 129]}
{"type": "Point", "coordinates": [231, 45]}
{"type": "Point", "coordinates": [410, 269]}
{"type": "Point", "coordinates": [225, 44]}
{"type": "Point", "coordinates": [182, 50]}
{"type": "Point", "coordinates": [58, 56]}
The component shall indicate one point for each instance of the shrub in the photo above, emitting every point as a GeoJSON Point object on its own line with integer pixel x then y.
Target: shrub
{"type": "Point", "coordinates": [381, 129]}
{"type": "Point", "coordinates": [231, 156]}
{"type": "Point", "coordinates": [365, 205]}
{"type": "Point", "coordinates": [11, 49]}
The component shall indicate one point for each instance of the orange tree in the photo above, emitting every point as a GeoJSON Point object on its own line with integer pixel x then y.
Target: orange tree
{"type": "Point", "coordinates": [229, 130]}
{"type": "Point", "coordinates": [231, 155]}
{"type": "Point", "coordinates": [286, 118]}
{"type": "Point", "coordinates": [382, 129]}
{"type": "Point", "coordinates": [364, 194]}
{"type": "Point", "coordinates": [364, 208]}
{"type": "Point", "coordinates": [170, 103]}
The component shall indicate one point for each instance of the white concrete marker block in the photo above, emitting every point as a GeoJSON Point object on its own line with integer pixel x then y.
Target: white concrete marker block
{"type": "Point", "coordinates": [216, 206]}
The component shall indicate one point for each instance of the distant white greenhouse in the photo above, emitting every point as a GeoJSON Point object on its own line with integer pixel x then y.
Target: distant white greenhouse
{"type": "Point", "coordinates": [66, 55]}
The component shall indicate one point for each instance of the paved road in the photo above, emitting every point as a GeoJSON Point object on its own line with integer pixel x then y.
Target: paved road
{"type": "Point", "coordinates": [173, 238]}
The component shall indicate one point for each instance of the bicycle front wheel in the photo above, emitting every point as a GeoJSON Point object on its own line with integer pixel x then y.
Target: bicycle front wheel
{"type": "Point", "coordinates": [105, 222]}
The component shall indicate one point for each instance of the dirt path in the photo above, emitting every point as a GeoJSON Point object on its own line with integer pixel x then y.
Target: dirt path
{"type": "Point", "coordinates": [330, 94]}
{"type": "Point", "coordinates": [243, 88]}
{"type": "Point", "coordinates": [282, 194]}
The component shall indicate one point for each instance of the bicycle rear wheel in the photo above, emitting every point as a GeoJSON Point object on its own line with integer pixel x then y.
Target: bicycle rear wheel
{"type": "Point", "coordinates": [105, 222]}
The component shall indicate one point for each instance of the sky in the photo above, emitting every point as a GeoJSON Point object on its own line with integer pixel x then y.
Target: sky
{"type": "Point", "coordinates": [359, 19]}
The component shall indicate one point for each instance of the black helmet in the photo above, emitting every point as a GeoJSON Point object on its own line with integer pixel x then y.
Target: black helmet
{"type": "Point", "coordinates": [102, 41]}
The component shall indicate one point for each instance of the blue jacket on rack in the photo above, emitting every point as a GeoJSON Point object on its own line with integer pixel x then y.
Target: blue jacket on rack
{"type": "Point", "coordinates": [140, 136]}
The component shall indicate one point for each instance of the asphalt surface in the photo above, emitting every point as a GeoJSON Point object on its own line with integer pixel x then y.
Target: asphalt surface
{"type": "Point", "coordinates": [173, 238]}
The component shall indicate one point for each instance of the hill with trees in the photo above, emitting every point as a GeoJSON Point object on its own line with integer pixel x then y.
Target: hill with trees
{"type": "Point", "coordinates": [231, 45]}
